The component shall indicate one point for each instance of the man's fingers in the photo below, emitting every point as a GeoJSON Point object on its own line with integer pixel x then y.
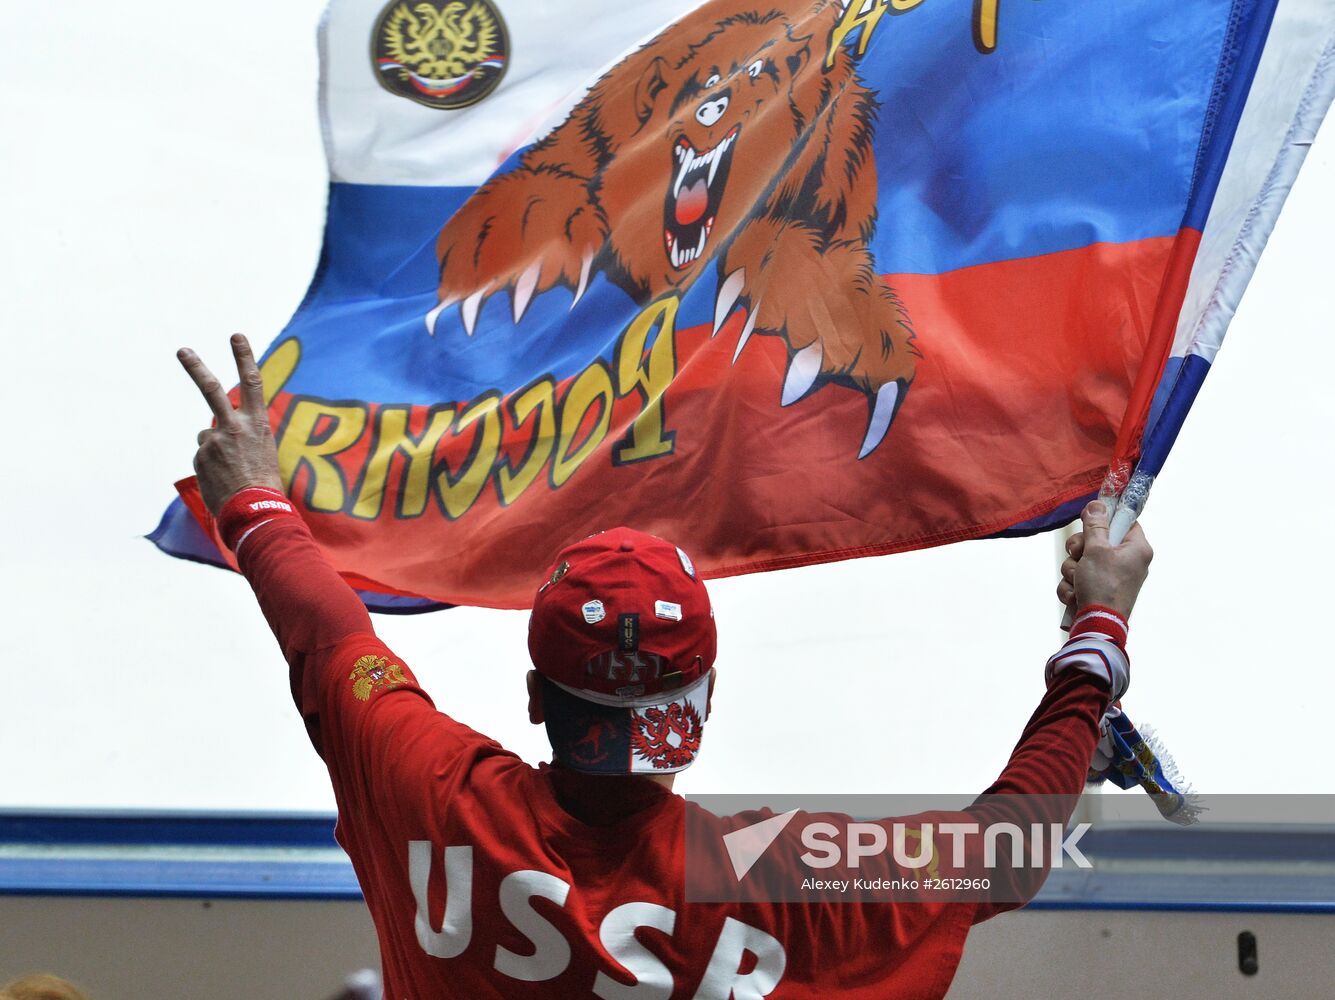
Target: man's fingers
{"type": "Point", "coordinates": [209, 387]}
{"type": "Point", "coordinates": [1095, 519]}
{"type": "Point", "coordinates": [1075, 545]}
{"type": "Point", "coordinates": [1066, 594]}
{"type": "Point", "coordinates": [252, 384]}
{"type": "Point", "coordinates": [1068, 570]}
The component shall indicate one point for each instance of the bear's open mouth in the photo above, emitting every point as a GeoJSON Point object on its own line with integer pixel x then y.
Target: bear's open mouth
{"type": "Point", "coordinates": [694, 197]}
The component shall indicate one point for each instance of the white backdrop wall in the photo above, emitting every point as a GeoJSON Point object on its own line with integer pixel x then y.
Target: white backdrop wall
{"type": "Point", "coordinates": [163, 184]}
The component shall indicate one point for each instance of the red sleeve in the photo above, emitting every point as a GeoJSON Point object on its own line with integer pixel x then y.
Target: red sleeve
{"type": "Point", "coordinates": [363, 708]}
{"type": "Point", "coordinates": [1053, 754]}
{"type": "Point", "coordinates": [1042, 781]}
{"type": "Point", "coordinates": [308, 606]}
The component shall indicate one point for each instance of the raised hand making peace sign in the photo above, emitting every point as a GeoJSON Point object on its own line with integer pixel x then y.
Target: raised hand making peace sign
{"type": "Point", "coordinates": [239, 450]}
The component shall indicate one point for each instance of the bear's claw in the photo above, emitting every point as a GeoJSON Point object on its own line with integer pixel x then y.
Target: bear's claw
{"type": "Point", "coordinates": [469, 310]}
{"type": "Point", "coordinates": [523, 293]}
{"type": "Point", "coordinates": [802, 372]}
{"type": "Point", "coordinates": [434, 314]}
{"type": "Point", "coordinates": [883, 411]}
{"type": "Point", "coordinates": [746, 331]}
{"type": "Point", "coordinates": [728, 293]}
{"type": "Point", "coordinates": [585, 269]}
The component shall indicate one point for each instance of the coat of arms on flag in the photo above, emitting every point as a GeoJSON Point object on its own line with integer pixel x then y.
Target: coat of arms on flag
{"type": "Point", "coordinates": [443, 54]}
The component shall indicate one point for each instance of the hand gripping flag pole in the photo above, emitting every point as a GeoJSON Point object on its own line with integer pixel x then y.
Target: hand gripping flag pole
{"type": "Point", "coordinates": [1123, 493]}
{"type": "Point", "coordinates": [1125, 755]}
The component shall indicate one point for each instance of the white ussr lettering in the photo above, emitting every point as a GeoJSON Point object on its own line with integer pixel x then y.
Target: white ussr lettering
{"type": "Point", "coordinates": [653, 979]}
{"type": "Point", "coordinates": [552, 950]}
{"type": "Point", "coordinates": [722, 979]}
{"type": "Point", "coordinates": [457, 928]}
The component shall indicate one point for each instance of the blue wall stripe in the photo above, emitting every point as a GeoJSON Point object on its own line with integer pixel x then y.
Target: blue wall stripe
{"type": "Point", "coordinates": [294, 857]}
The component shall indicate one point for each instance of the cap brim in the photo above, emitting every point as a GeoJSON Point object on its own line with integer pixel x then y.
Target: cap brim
{"type": "Point", "coordinates": [649, 735]}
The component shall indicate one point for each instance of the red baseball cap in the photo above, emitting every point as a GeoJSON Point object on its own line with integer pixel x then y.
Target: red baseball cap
{"type": "Point", "coordinates": [624, 631]}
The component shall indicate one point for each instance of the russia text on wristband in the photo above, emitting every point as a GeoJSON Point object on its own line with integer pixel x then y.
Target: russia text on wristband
{"type": "Point", "coordinates": [247, 509]}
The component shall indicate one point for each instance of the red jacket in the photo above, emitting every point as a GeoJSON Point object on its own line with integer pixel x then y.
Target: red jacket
{"type": "Point", "coordinates": [490, 878]}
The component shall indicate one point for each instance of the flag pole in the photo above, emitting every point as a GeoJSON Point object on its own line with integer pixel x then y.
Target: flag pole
{"type": "Point", "coordinates": [1125, 497]}
{"type": "Point", "coordinates": [1127, 505]}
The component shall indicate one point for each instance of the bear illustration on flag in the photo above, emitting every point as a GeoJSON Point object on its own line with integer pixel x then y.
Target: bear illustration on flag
{"type": "Point", "coordinates": [730, 141]}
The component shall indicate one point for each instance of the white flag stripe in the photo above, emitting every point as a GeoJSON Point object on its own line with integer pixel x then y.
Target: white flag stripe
{"type": "Point", "coordinates": [1292, 90]}
{"type": "Point", "coordinates": [556, 50]}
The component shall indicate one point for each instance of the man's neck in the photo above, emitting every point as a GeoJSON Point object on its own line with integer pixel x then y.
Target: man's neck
{"type": "Point", "coordinates": [604, 799]}
{"type": "Point", "coordinates": [665, 780]}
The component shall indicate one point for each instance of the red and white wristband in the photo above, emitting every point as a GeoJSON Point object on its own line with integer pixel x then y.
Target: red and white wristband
{"type": "Point", "coordinates": [1097, 646]}
{"type": "Point", "coordinates": [249, 509]}
{"type": "Point", "coordinates": [1095, 618]}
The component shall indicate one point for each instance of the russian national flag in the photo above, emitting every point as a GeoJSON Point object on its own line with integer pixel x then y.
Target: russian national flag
{"type": "Point", "coordinates": [783, 282]}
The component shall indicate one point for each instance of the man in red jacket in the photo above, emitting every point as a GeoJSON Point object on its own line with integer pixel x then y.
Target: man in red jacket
{"type": "Point", "coordinates": [487, 877]}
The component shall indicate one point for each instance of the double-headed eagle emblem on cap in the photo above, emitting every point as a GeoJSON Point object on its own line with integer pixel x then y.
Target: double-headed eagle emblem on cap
{"type": "Point", "coordinates": [667, 737]}
{"type": "Point", "coordinates": [442, 53]}
{"type": "Point", "coordinates": [374, 673]}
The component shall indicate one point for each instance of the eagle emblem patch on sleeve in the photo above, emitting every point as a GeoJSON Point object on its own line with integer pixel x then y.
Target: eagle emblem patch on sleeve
{"type": "Point", "coordinates": [374, 673]}
{"type": "Point", "coordinates": [442, 53]}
